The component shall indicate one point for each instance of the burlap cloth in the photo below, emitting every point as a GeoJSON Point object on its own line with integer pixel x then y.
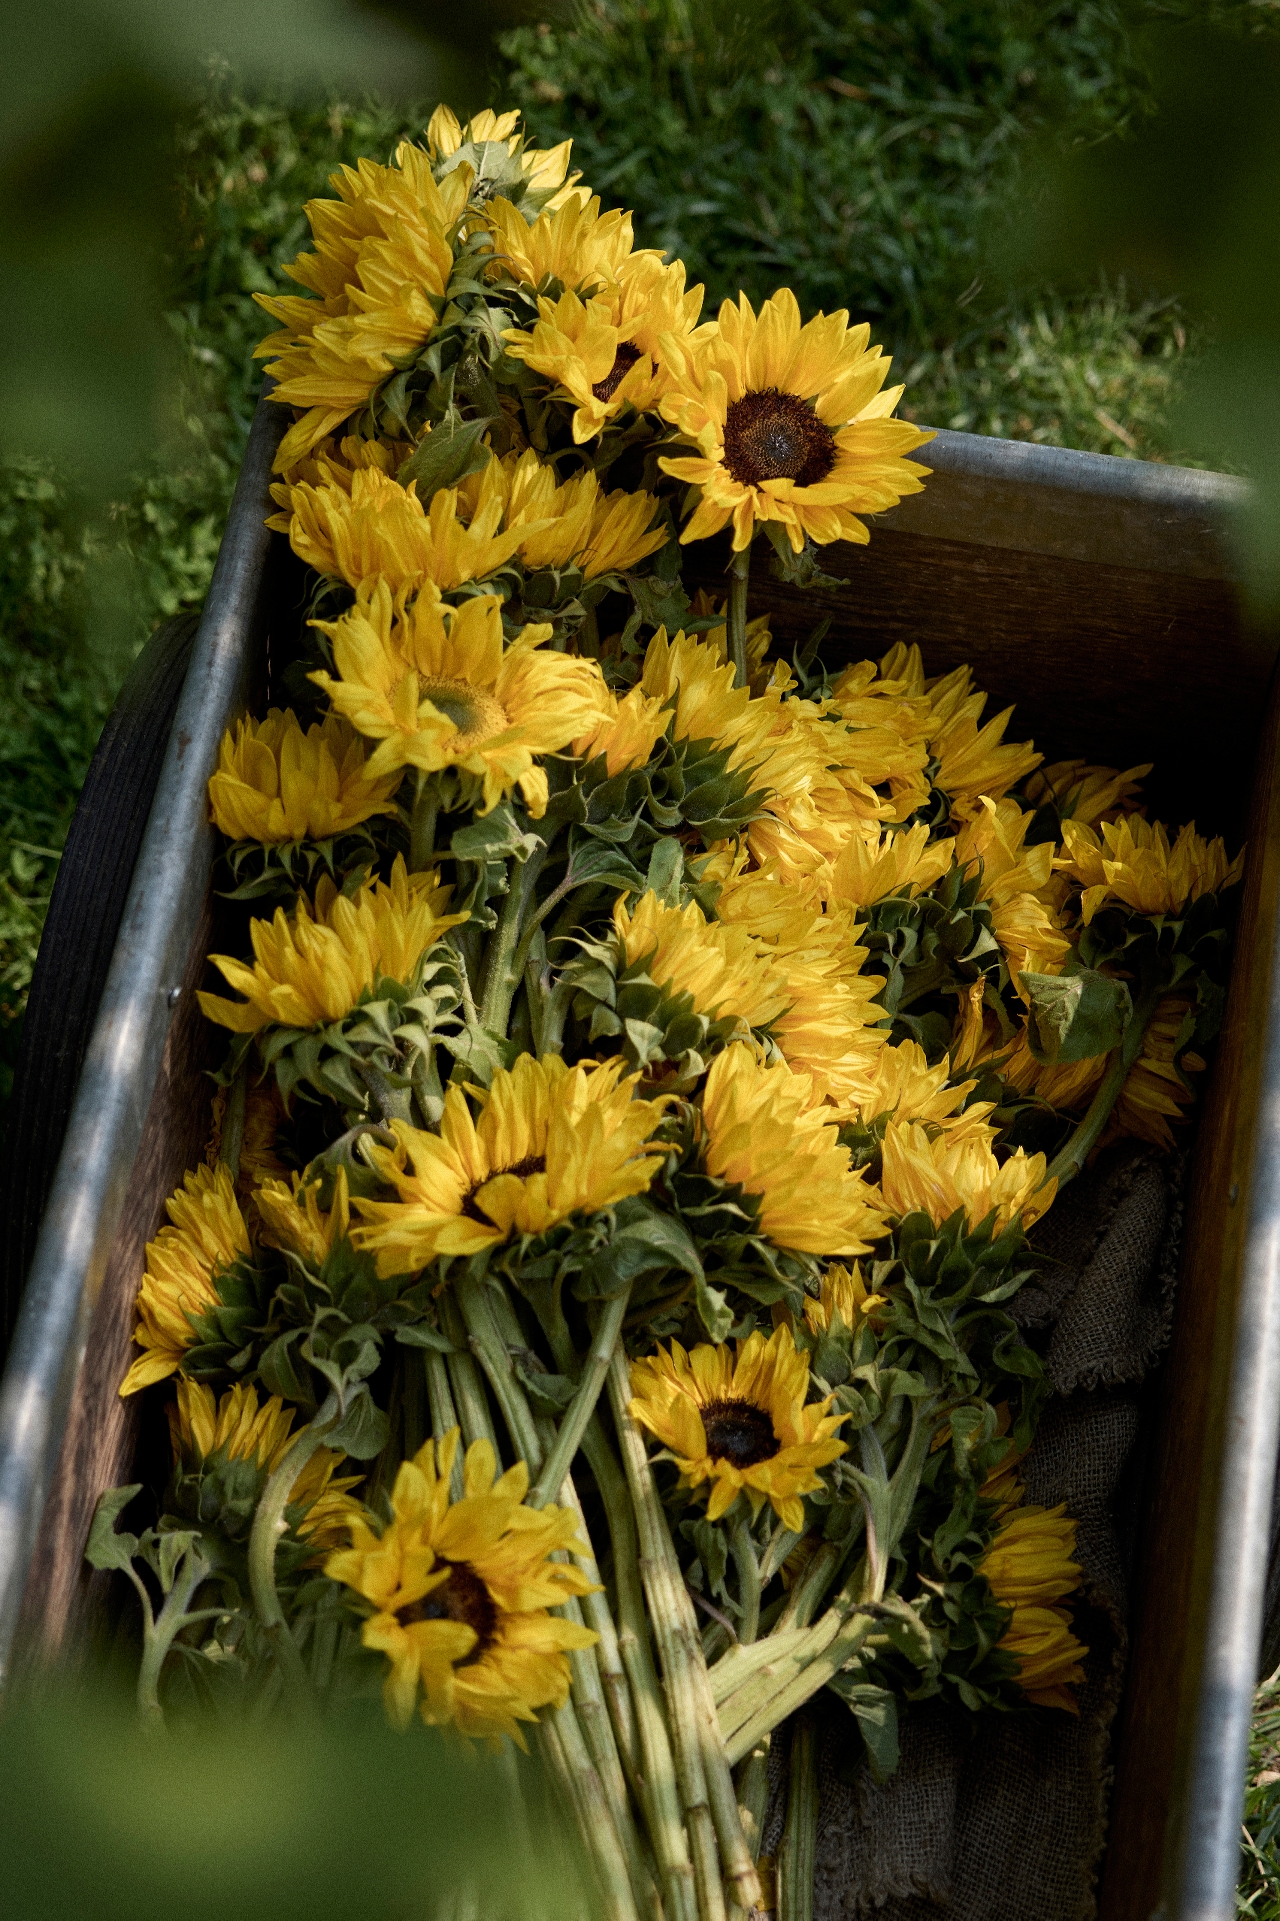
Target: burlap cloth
{"type": "Point", "coordinates": [1003, 1817]}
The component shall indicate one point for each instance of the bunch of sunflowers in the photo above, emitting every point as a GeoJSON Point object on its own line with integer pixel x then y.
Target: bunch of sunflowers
{"type": "Point", "coordinates": [646, 1058]}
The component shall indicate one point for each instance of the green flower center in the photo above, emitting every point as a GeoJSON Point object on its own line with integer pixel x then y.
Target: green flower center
{"type": "Point", "coordinates": [738, 1432]}
{"type": "Point", "coordinates": [476, 715]}
{"type": "Point", "coordinates": [623, 361]}
{"type": "Point", "coordinates": [463, 1597]}
{"type": "Point", "coordinates": [772, 435]}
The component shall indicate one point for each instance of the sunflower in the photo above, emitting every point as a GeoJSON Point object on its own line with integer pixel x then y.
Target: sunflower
{"type": "Point", "coordinates": [377, 527]}
{"type": "Point", "coordinates": [1134, 863]}
{"type": "Point", "coordinates": [544, 171]}
{"type": "Point", "coordinates": [721, 968]}
{"type": "Point", "coordinates": [551, 1142]}
{"type": "Point", "coordinates": [976, 763]}
{"type": "Point", "coordinates": [905, 1087]}
{"type": "Point", "coordinates": [293, 1218]}
{"type": "Point", "coordinates": [573, 522]}
{"type": "Point", "coordinates": [1029, 1569]}
{"type": "Point", "coordinates": [1155, 1092]}
{"type": "Point", "coordinates": [1081, 792]}
{"type": "Point", "coordinates": [461, 1592]}
{"type": "Point", "coordinates": [944, 1174]}
{"type": "Point", "coordinates": [206, 1233]}
{"type": "Point", "coordinates": [762, 1135]}
{"type": "Point", "coordinates": [844, 1293]}
{"type": "Point", "coordinates": [436, 688]}
{"type": "Point", "coordinates": [382, 262]}
{"type": "Point", "coordinates": [739, 1422]}
{"type": "Point", "coordinates": [626, 733]}
{"type": "Point", "coordinates": [790, 423]}
{"type": "Point", "coordinates": [263, 1114]}
{"type": "Point", "coordinates": [276, 783]}
{"type": "Point", "coordinates": [237, 1428]}
{"type": "Point", "coordinates": [611, 351]}
{"type": "Point", "coordinates": [1017, 883]}
{"type": "Point", "coordinates": [876, 862]}
{"type": "Point", "coordinates": [316, 967]}
{"type": "Point", "coordinates": [575, 244]}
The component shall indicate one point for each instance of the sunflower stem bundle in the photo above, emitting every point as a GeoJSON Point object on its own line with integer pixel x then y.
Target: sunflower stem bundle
{"type": "Point", "coordinates": [739, 574]}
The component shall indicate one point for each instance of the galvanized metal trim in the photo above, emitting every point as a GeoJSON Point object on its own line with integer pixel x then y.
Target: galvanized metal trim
{"type": "Point", "coordinates": [1210, 1819]}
{"type": "Point", "coordinates": [1016, 495]}
{"type": "Point", "coordinates": [165, 902]}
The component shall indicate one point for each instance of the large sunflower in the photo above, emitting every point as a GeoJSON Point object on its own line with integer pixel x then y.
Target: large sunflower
{"type": "Point", "coordinates": [571, 522]}
{"type": "Point", "coordinates": [315, 968]}
{"type": "Point", "coordinates": [876, 862]}
{"type": "Point", "coordinates": [435, 687]}
{"type": "Point", "coordinates": [1130, 860]}
{"type": "Point", "coordinates": [206, 1233]}
{"type": "Point", "coordinates": [376, 527]}
{"type": "Point", "coordinates": [790, 423]}
{"type": "Point", "coordinates": [237, 1428]}
{"type": "Point", "coordinates": [739, 1424]}
{"type": "Point", "coordinates": [575, 244]}
{"type": "Point", "coordinates": [609, 351]}
{"type": "Point", "coordinates": [762, 1135]}
{"type": "Point", "coordinates": [942, 1174]}
{"type": "Point", "coordinates": [551, 1142]}
{"type": "Point", "coordinates": [276, 783]}
{"type": "Point", "coordinates": [461, 1592]}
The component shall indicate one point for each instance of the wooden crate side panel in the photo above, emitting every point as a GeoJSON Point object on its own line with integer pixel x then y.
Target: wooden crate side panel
{"type": "Point", "coordinates": [64, 1601]}
{"type": "Point", "coordinates": [1157, 1717]}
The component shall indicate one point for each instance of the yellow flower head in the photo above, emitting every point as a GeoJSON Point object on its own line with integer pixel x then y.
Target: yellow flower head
{"type": "Point", "coordinates": [1154, 1092]}
{"type": "Point", "coordinates": [977, 762]}
{"type": "Point", "coordinates": [761, 1134]}
{"type": "Point", "coordinates": [1134, 863]}
{"type": "Point", "coordinates": [461, 1592]}
{"type": "Point", "coordinates": [377, 527]}
{"type": "Point", "coordinates": [575, 244]}
{"type": "Point", "coordinates": [263, 1114]}
{"type": "Point", "coordinates": [1029, 1569]}
{"type": "Point", "coordinates": [904, 1086]}
{"type": "Point", "coordinates": [276, 783]}
{"type": "Point", "coordinates": [1017, 882]}
{"type": "Point", "coordinates": [1081, 792]}
{"type": "Point", "coordinates": [572, 521]}
{"type": "Point", "coordinates": [547, 180]}
{"type": "Point", "coordinates": [944, 1174]}
{"type": "Point", "coordinates": [293, 1218]}
{"type": "Point", "coordinates": [611, 350]}
{"type": "Point", "coordinates": [206, 1233]}
{"type": "Point", "coordinates": [551, 1142]}
{"type": "Point", "coordinates": [315, 968]}
{"type": "Point", "coordinates": [382, 261]}
{"type": "Point", "coordinates": [739, 1424]}
{"type": "Point", "coordinates": [875, 863]}
{"type": "Point", "coordinates": [844, 1292]}
{"type": "Point", "coordinates": [790, 423]}
{"type": "Point", "coordinates": [723, 970]}
{"type": "Point", "coordinates": [435, 687]}
{"type": "Point", "coordinates": [627, 732]}
{"type": "Point", "coordinates": [242, 1430]}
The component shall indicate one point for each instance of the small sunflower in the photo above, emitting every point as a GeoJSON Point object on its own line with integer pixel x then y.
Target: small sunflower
{"type": "Point", "coordinates": [462, 1591]}
{"type": "Point", "coordinates": [545, 180]}
{"type": "Point", "coordinates": [905, 1087]}
{"type": "Point", "coordinates": [942, 1174]}
{"type": "Point", "coordinates": [316, 967]}
{"type": "Point", "coordinates": [1078, 791]}
{"type": "Point", "coordinates": [610, 351]}
{"type": "Point", "coordinates": [574, 522]}
{"type": "Point", "coordinates": [1017, 882]}
{"type": "Point", "coordinates": [1155, 1092]}
{"type": "Point", "coordinates": [379, 528]}
{"type": "Point", "coordinates": [293, 1218]}
{"type": "Point", "coordinates": [238, 1428]}
{"type": "Point", "coordinates": [721, 968]}
{"type": "Point", "coordinates": [1029, 1569]}
{"type": "Point", "coordinates": [551, 1142]}
{"type": "Point", "coordinates": [276, 783]}
{"type": "Point", "coordinates": [876, 862]}
{"type": "Point", "coordinates": [739, 1422]}
{"type": "Point", "coordinates": [627, 731]}
{"type": "Point", "coordinates": [435, 687]}
{"type": "Point", "coordinates": [844, 1292]}
{"type": "Point", "coordinates": [762, 1135]}
{"type": "Point", "coordinates": [575, 244]}
{"type": "Point", "coordinates": [206, 1233]}
{"type": "Point", "coordinates": [1133, 862]}
{"type": "Point", "coordinates": [977, 763]}
{"type": "Point", "coordinates": [790, 423]}
{"type": "Point", "coordinates": [382, 262]}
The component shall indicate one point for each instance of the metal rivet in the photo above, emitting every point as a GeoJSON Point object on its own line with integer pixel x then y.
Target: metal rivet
{"type": "Point", "coordinates": [175, 995]}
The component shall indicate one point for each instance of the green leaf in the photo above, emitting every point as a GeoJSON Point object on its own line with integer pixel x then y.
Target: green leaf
{"type": "Point", "coordinates": [876, 1711]}
{"type": "Point", "coordinates": [105, 1548]}
{"type": "Point", "coordinates": [1074, 1017]}
{"type": "Point", "coordinates": [666, 869]}
{"type": "Point", "coordinates": [713, 1309]}
{"type": "Point", "coordinates": [643, 1241]}
{"type": "Point", "coordinates": [552, 1392]}
{"type": "Point", "coordinates": [446, 455]}
{"type": "Point", "coordinates": [362, 1431]}
{"type": "Point", "coordinates": [170, 1550]}
{"type": "Point", "coordinates": [494, 836]}
{"type": "Point", "coordinates": [420, 1335]}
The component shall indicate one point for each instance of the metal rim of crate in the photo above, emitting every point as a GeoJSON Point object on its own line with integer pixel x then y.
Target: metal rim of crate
{"type": "Point", "coordinates": [1185, 514]}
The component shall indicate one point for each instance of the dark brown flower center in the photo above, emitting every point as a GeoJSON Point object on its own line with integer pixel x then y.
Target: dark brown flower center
{"type": "Point", "coordinates": [532, 1164]}
{"type": "Point", "coordinates": [623, 361]}
{"type": "Point", "coordinates": [738, 1432]}
{"type": "Point", "coordinates": [463, 1597]}
{"type": "Point", "coordinates": [774, 436]}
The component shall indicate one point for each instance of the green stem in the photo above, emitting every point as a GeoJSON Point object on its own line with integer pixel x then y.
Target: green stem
{"type": "Point", "coordinates": [391, 1102]}
{"type": "Point", "coordinates": [160, 1631]}
{"type": "Point", "coordinates": [455, 940]}
{"type": "Point", "coordinates": [501, 972]}
{"type": "Point", "coordinates": [562, 1746]}
{"type": "Point", "coordinates": [753, 1793]}
{"type": "Point", "coordinates": [422, 832]}
{"type": "Point", "coordinates": [744, 1555]}
{"type": "Point", "coordinates": [740, 570]}
{"type": "Point", "coordinates": [232, 1142]}
{"type": "Point", "coordinates": [268, 1525]}
{"type": "Point", "coordinates": [583, 1405]}
{"type": "Point", "coordinates": [813, 1583]}
{"type": "Point", "coordinates": [443, 1413]}
{"type": "Point", "coordinates": [797, 1856]}
{"type": "Point", "coordinates": [1067, 1164]}
{"type": "Point", "coordinates": [491, 1352]}
{"type": "Point", "coordinates": [464, 1378]}
{"type": "Point", "coordinates": [427, 1091]}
